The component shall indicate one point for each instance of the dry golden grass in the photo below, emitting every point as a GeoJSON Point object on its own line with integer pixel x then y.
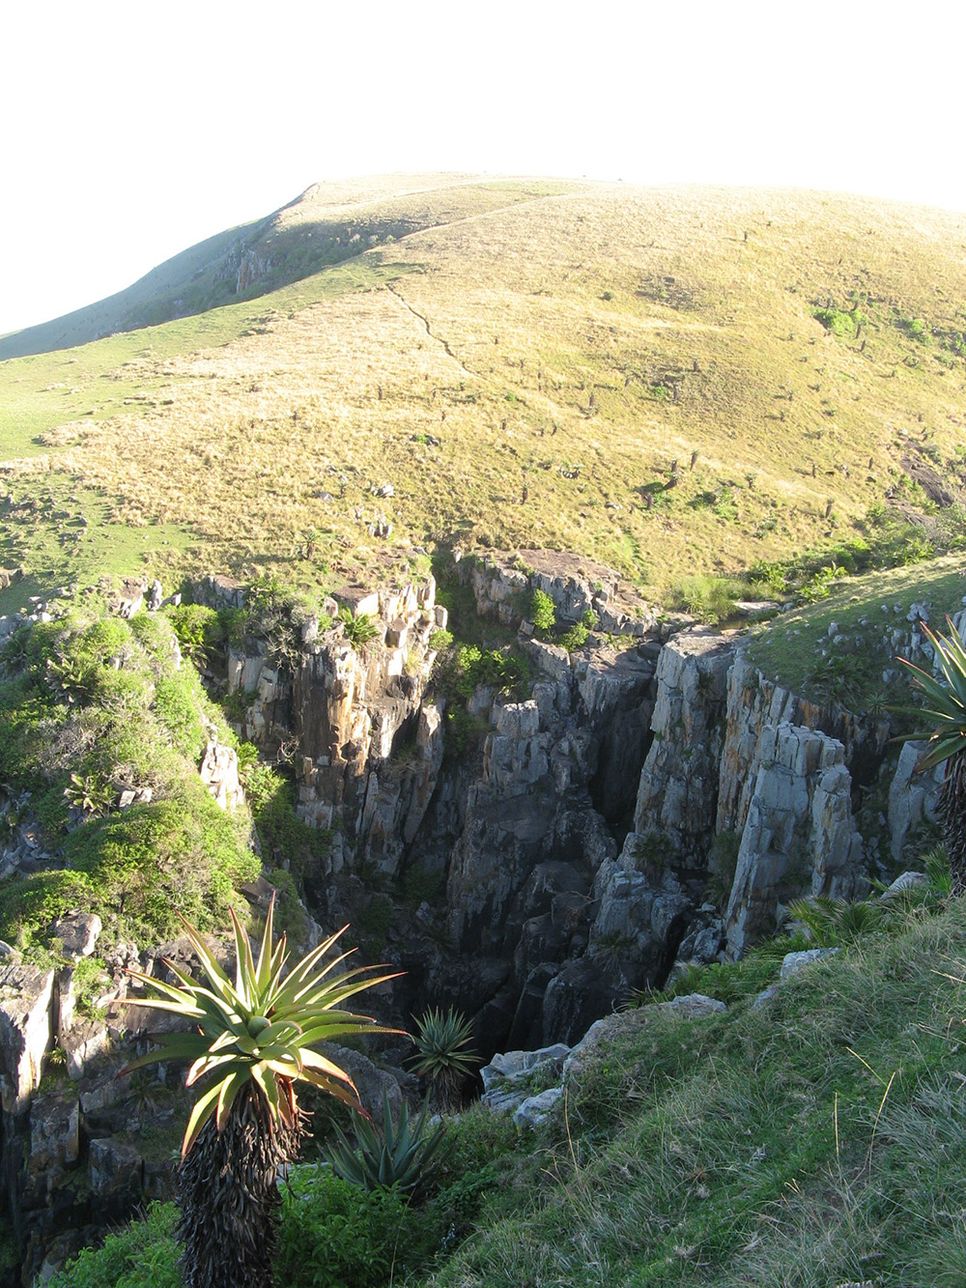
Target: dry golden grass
{"type": "Point", "coordinates": [563, 348]}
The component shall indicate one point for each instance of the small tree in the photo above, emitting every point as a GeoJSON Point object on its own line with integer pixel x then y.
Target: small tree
{"type": "Point", "coordinates": [254, 1038]}
{"type": "Point", "coordinates": [543, 613]}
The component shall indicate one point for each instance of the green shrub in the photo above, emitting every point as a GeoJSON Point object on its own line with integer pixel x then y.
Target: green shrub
{"type": "Point", "coordinates": [543, 612]}
{"type": "Point", "coordinates": [262, 783]}
{"type": "Point", "coordinates": [154, 861]}
{"type": "Point", "coordinates": [574, 638]}
{"type": "Point", "coordinates": [235, 706]}
{"type": "Point", "coordinates": [142, 1253]}
{"type": "Point", "coordinates": [841, 322]}
{"type": "Point", "coordinates": [101, 705]}
{"type": "Point", "coordinates": [462, 730]}
{"type": "Point", "coordinates": [177, 710]}
{"type": "Point", "coordinates": [89, 794]}
{"type": "Point", "coordinates": [28, 904]}
{"type": "Point", "coordinates": [276, 614]}
{"type": "Point", "coordinates": [915, 328]}
{"type": "Point", "coordinates": [440, 639]}
{"type": "Point", "coordinates": [821, 584]}
{"type": "Point", "coordinates": [338, 1235]}
{"type": "Point", "coordinates": [200, 631]}
{"type": "Point", "coordinates": [359, 627]}
{"type": "Point", "coordinates": [283, 836]}
{"type": "Point", "coordinates": [502, 669]}
{"type": "Point", "coordinates": [712, 599]}
{"type": "Point", "coordinates": [290, 917]}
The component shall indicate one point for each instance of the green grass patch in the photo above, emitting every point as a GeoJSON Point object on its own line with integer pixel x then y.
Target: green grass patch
{"type": "Point", "coordinates": [92, 707]}
{"type": "Point", "coordinates": [866, 607]}
{"type": "Point", "coordinates": [815, 1141]}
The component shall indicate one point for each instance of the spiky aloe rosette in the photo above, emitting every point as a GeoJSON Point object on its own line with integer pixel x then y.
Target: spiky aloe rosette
{"type": "Point", "coordinates": [255, 1038]}
{"type": "Point", "coordinates": [443, 1056]}
{"type": "Point", "coordinates": [945, 705]}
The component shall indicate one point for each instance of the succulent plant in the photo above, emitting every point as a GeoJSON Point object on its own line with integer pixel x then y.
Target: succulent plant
{"type": "Point", "coordinates": [442, 1054]}
{"type": "Point", "coordinates": [254, 1039]}
{"type": "Point", "coordinates": [401, 1151]}
{"type": "Point", "coordinates": [945, 735]}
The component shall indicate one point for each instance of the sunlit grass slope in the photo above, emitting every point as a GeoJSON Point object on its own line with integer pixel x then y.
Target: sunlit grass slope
{"type": "Point", "coordinates": [816, 1141]}
{"type": "Point", "coordinates": [864, 611]}
{"type": "Point", "coordinates": [524, 362]}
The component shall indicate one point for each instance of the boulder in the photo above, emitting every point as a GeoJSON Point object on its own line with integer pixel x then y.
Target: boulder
{"type": "Point", "coordinates": [78, 933]}
{"type": "Point", "coordinates": [793, 963]}
{"type": "Point", "coordinates": [537, 1109]}
{"type": "Point", "coordinates": [905, 881]}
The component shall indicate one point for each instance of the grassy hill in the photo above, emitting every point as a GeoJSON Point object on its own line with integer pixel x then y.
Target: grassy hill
{"type": "Point", "coordinates": [523, 362]}
{"type": "Point", "coordinates": [323, 226]}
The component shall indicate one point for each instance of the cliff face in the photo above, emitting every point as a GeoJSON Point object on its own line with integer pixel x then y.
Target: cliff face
{"type": "Point", "coordinates": [654, 797]}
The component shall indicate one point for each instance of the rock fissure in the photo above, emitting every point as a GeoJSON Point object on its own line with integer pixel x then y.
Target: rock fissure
{"type": "Point", "coordinates": [444, 344]}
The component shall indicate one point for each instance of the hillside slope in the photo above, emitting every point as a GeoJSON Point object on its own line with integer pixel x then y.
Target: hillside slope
{"type": "Point", "coordinates": [669, 380]}
{"type": "Point", "coordinates": [814, 1140]}
{"type": "Point", "coordinates": [324, 225]}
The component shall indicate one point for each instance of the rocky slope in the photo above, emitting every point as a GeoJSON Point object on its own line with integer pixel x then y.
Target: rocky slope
{"type": "Point", "coordinates": [650, 798]}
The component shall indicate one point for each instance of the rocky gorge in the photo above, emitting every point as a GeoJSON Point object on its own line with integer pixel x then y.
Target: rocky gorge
{"type": "Point", "coordinates": [529, 853]}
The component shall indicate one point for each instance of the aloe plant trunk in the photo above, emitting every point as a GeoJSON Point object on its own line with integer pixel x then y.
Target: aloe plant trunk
{"type": "Point", "coordinates": [228, 1194]}
{"type": "Point", "coordinates": [952, 810]}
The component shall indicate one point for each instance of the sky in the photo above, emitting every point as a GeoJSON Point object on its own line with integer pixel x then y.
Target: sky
{"type": "Point", "coordinates": [133, 130]}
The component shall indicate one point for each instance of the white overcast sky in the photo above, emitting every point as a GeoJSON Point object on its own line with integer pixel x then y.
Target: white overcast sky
{"type": "Point", "coordinates": [132, 130]}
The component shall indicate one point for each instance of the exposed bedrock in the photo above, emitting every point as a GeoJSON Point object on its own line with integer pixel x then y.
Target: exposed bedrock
{"type": "Point", "coordinates": [651, 799]}
{"type": "Point", "coordinates": [654, 798]}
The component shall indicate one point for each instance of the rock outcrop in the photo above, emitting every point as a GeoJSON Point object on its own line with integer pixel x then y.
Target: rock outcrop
{"type": "Point", "coordinates": [679, 781]}
{"type": "Point", "coordinates": [532, 858]}
{"type": "Point", "coordinates": [653, 797]}
{"type": "Point", "coordinates": [503, 585]}
{"type": "Point", "coordinates": [799, 835]}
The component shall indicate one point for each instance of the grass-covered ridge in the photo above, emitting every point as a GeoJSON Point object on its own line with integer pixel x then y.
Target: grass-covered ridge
{"type": "Point", "coordinates": [864, 610]}
{"type": "Point", "coordinates": [760, 1147]}
{"type": "Point", "coordinates": [97, 712]}
{"type": "Point", "coordinates": [817, 1139]}
{"type": "Point", "coordinates": [644, 376]}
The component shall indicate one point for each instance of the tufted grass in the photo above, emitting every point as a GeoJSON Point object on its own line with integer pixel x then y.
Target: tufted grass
{"type": "Point", "coordinates": [816, 1141]}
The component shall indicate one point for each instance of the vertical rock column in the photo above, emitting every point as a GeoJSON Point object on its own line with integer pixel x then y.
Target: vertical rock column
{"type": "Point", "coordinates": [677, 797]}
{"type": "Point", "coordinates": [799, 838]}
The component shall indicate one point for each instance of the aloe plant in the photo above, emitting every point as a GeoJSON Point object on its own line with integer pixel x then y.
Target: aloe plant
{"type": "Point", "coordinates": [251, 1041]}
{"type": "Point", "coordinates": [945, 735]}
{"type": "Point", "coordinates": [401, 1152]}
{"type": "Point", "coordinates": [443, 1056]}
